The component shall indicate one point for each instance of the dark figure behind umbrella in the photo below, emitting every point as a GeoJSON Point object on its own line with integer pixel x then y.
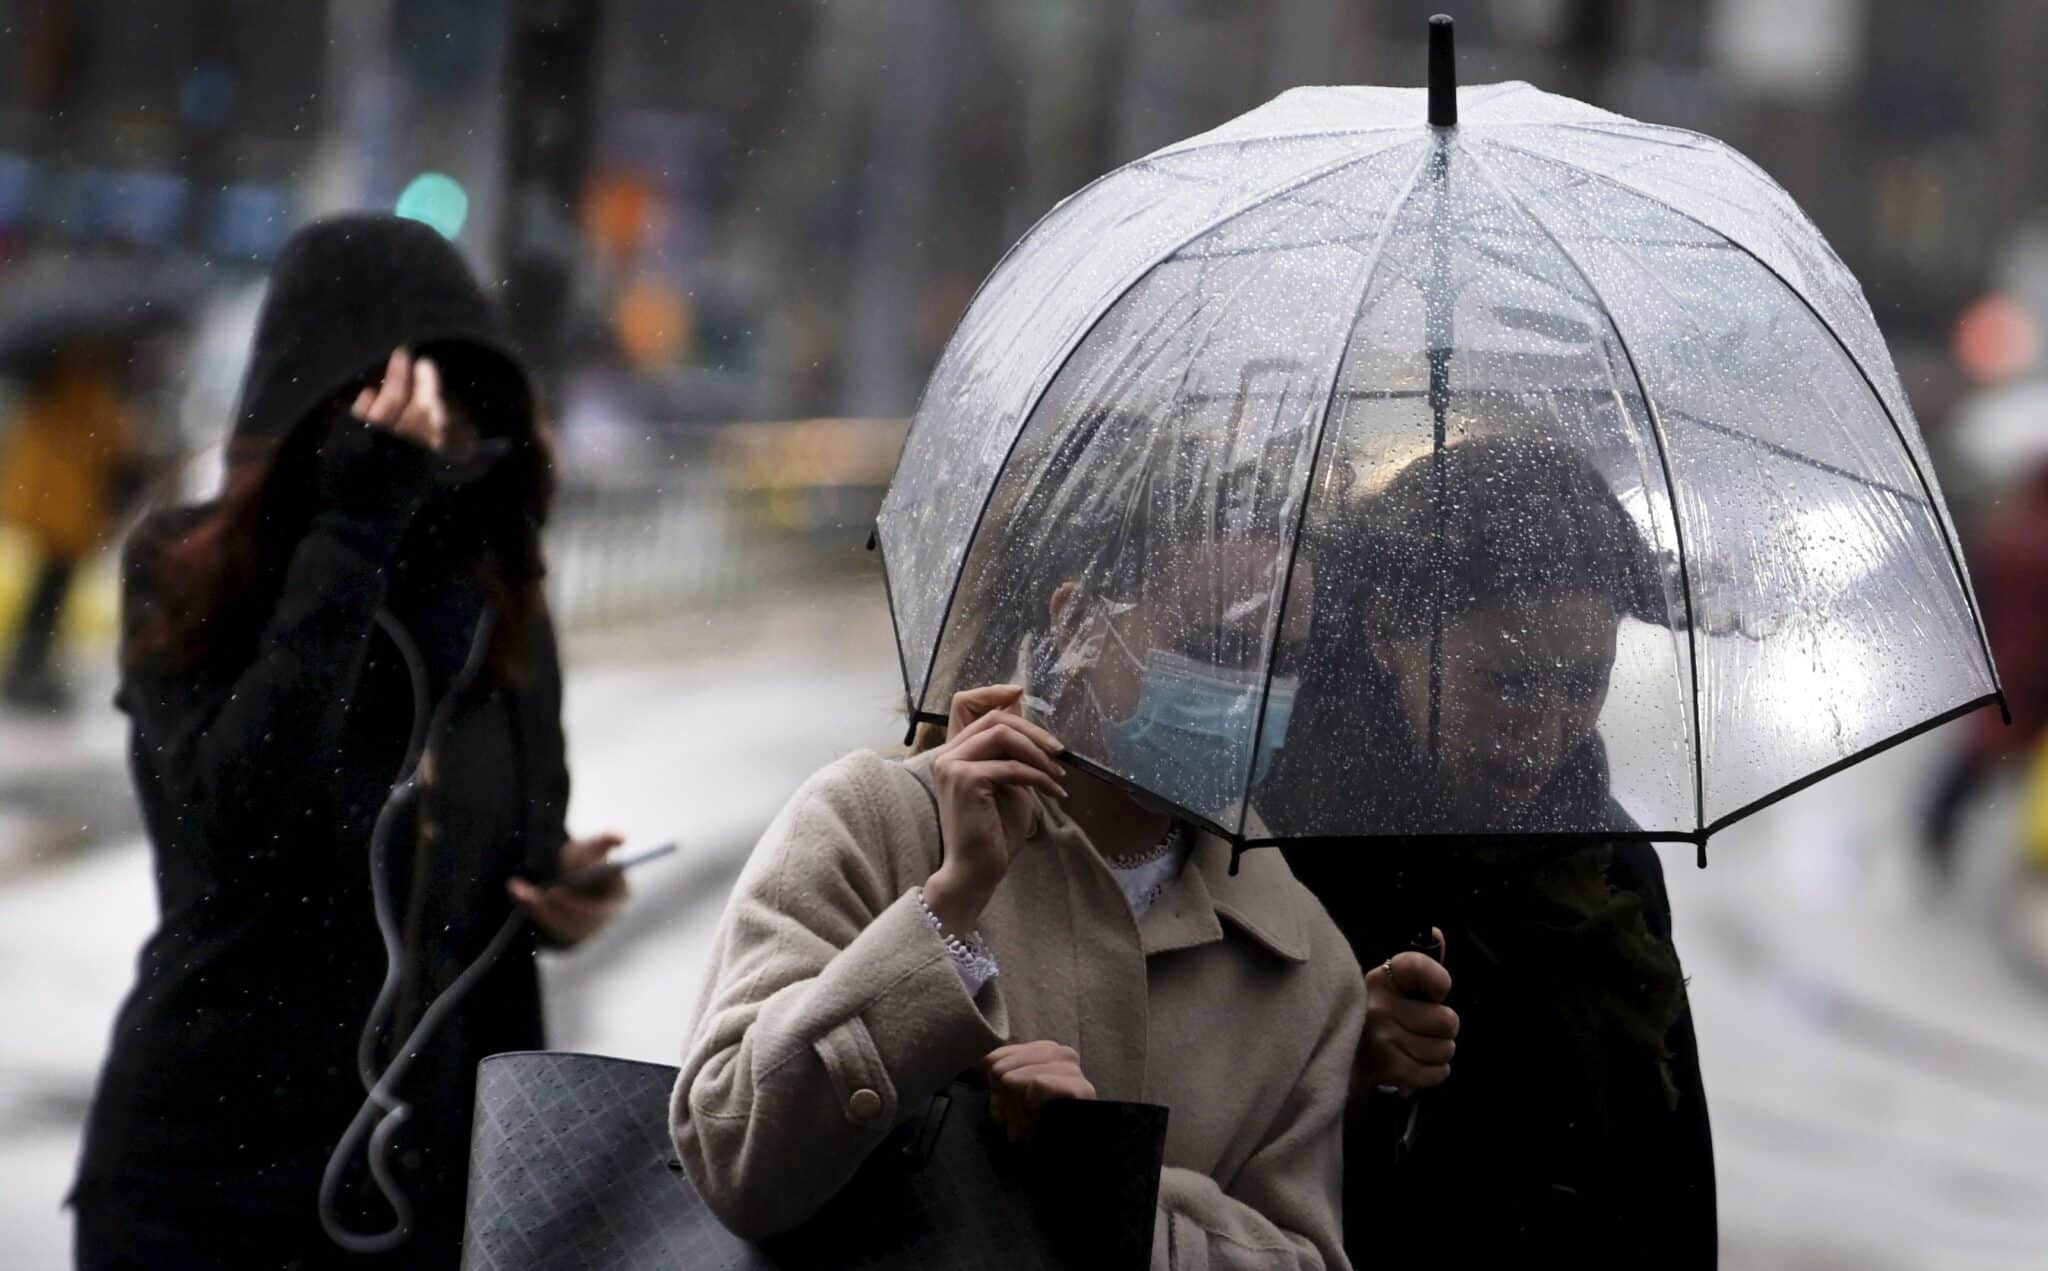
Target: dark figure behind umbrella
{"type": "Point", "coordinates": [271, 714]}
{"type": "Point", "coordinates": [1572, 1122]}
{"type": "Point", "coordinates": [2010, 559]}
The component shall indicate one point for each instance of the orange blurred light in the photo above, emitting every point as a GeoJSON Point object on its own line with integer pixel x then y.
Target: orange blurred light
{"type": "Point", "coordinates": [655, 323]}
{"type": "Point", "coordinates": [620, 213]}
{"type": "Point", "coordinates": [1996, 339]}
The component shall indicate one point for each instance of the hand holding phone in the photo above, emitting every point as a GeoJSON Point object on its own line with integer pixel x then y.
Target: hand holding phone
{"type": "Point", "coordinates": [592, 879]}
{"type": "Point", "coordinates": [587, 894]}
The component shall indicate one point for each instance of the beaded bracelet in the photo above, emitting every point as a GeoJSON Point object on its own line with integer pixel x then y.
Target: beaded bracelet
{"type": "Point", "coordinates": [976, 963]}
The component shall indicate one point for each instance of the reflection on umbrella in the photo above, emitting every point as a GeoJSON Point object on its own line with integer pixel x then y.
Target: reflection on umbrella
{"type": "Point", "coordinates": [1374, 465]}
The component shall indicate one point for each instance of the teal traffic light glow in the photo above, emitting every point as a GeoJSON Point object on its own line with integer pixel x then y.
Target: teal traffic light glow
{"type": "Point", "coordinates": [436, 199]}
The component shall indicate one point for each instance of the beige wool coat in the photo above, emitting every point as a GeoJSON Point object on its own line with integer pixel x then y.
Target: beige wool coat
{"type": "Point", "coordinates": [832, 1008]}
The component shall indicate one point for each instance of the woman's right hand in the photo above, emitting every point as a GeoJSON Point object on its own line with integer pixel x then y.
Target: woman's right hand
{"type": "Point", "coordinates": [1024, 1077]}
{"type": "Point", "coordinates": [1410, 1035]}
{"type": "Point", "coordinates": [408, 403]}
{"type": "Point", "coordinates": [992, 759]}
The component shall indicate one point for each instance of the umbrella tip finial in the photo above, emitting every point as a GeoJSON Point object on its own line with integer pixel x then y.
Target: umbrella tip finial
{"type": "Point", "coordinates": [1443, 73]}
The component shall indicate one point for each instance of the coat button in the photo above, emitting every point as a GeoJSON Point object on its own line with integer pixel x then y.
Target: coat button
{"type": "Point", "coordinates": [864, 1105]}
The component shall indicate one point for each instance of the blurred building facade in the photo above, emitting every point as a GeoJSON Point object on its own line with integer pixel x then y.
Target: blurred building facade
{"type": "Point", "coordinates": [800, 196]}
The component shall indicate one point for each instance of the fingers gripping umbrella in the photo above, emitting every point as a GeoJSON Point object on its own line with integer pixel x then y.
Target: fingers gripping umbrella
{"type": "Point", "coordinates": [1380, 463]}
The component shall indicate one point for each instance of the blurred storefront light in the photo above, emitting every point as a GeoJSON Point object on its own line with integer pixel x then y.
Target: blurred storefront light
{"type": "Point", "coordinates": [250, 222]}
{"type": "Point", "coordinates": [808, 453]}
{"type": "Point", "coordinates": [206, 98]}
{"type": "Point", "coordinates": [622, 211]}
{"type": "Point", "coordinates": [19, 180]}
{"type": "Point", "coordinates": [146, 209]}
{"type": "Point", "coordinates": [436, 199]}
{"type": "Point", "coordinates": [1996, 339]}
{"type": "Point", "coordinates": [655, 323]}
{"type": "Point", "coordinates": [1787, 48]}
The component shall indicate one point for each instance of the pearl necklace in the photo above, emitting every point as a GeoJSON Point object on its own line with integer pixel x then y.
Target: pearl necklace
{"type": "Point", "coordinates": [1157, 851]}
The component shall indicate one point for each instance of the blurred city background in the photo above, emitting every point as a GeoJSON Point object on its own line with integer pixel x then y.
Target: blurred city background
{"type": "Point", "coordinates": [735, 235]}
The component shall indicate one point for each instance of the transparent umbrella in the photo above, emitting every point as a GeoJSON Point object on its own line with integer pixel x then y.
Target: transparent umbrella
{"type": "Point", "coordinates": [1382, 463]}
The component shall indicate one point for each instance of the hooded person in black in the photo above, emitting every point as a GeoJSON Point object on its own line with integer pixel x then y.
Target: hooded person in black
{"type": "Point", "coordinates": [1571, 1126]}
{"type": "Point", "coordinates": [372, 538]}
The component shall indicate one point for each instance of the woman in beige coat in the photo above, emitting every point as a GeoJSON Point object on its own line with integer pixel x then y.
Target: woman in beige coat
{"type": "Point", "coordinates": [985, 905]}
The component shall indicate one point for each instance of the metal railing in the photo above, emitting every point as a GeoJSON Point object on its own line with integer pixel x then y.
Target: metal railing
{"type": "Point", "coordinates": [734, 509]}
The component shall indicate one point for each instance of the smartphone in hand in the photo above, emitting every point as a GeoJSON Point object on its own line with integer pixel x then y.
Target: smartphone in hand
{"type": "Point", "coordinates": [592, 878]}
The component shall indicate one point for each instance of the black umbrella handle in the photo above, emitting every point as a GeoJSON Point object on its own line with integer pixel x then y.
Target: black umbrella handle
{"type": "Point", "coordinates": [1423, 942]}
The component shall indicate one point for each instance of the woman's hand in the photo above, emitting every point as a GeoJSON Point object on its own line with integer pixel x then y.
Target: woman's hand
{"type": "Point", "coordinates": [1022, 1077]}
{"type": "Point", "coordinates": [408, 403]}
{"type": "Point", "coordinates": [568, 914]}
{"type": "Point", "coordinates": [992, 760]}
{"type": "Point", "coordinates": [1410, 1035]}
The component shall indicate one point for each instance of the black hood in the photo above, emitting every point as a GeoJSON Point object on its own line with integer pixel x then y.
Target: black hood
{"type": "Point", "coordinates": [345, 292]}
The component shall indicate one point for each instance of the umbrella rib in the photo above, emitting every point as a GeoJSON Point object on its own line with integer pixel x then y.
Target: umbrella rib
{"type": "Point", "coordinates": [1786, 452]}
{"type": "Point", "coordinates": [1087, 328]}
{"type": "Point", "coordinates": [1698, 141]}
{"type": "Point", "coordinates": [1475, 95]}
{"type": "Point", "coordinates": [1777, 449]}
{"type": "Point", "coordinates": [1898, 430]}
{"type": "Point", "coordinates": [1194, 144]}
{"type": "Point", "coordinates": [1279, 614]}
{"type": "Point", "coordinates": [1619, 127]}
{"type": "Point", "coordinates": [1699, 741]}
{"type": "Point", "coordinates": [1672, 414]}
{"type": "Point", "coordinates": [1025, 237]}
{"type": "Point", "coordinates": [896, 633]}
{"type": "Point", "coordinates": [1311, 244]}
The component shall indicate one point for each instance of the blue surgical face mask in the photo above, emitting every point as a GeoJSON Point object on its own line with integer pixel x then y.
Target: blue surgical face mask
{"type": "Point", "coordinates": [1189, 737]}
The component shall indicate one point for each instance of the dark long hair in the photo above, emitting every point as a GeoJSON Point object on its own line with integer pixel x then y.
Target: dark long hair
{"type": "Point", "coordinates": [1109, 499]}
{"type": "Point", "coordinates": [1522, 516]}
{"type": "Point", "coordinates": [202, 580]}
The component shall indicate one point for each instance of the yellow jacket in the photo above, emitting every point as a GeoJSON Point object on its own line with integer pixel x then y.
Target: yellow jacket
{"type": "Point", "coordinates": [59, 460]}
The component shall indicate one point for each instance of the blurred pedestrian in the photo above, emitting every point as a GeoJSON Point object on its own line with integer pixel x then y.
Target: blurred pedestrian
{"type": "Point", "coordinates": [1571, 1127]}
{"type": "Point", "coordinates": [984, 905]}
{"type": "Point", "coordinates": [2008, 557]}
{"type": "Point", "coordinates": [71, 457]}
{"type": "Point", "coordinates": [366, 588]}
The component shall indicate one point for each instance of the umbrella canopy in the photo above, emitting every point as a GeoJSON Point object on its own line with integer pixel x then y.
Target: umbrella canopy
{"type": "Point", "coordinates": [1541, 472]}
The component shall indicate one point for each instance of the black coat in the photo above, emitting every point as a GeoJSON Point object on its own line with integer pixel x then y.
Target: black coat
{"type": "Point", "coordinates": [1522, 1156]}
{"type": "Point", "coordinates": [261, 772]}
{"type": "Point", "coordinates": [1546, 1145]}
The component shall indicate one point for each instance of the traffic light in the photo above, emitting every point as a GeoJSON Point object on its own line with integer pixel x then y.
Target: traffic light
{"type": "Point", "coordinates": [436, 199]}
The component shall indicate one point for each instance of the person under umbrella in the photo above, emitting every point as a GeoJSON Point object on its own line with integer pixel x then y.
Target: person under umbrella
{"type": "Point", "coordinates": [989, 904]}
{"type": "Point", "coordinates": [361, 602]}
{"type": "Point", "coordinates": [1573, 1117]}
{"type": "Point", "coordinates": [1347, 285]}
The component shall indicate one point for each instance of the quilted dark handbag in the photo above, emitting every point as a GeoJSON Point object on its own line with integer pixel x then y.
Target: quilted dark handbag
{"type": "Point", "coordinates": [571, 1169]}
